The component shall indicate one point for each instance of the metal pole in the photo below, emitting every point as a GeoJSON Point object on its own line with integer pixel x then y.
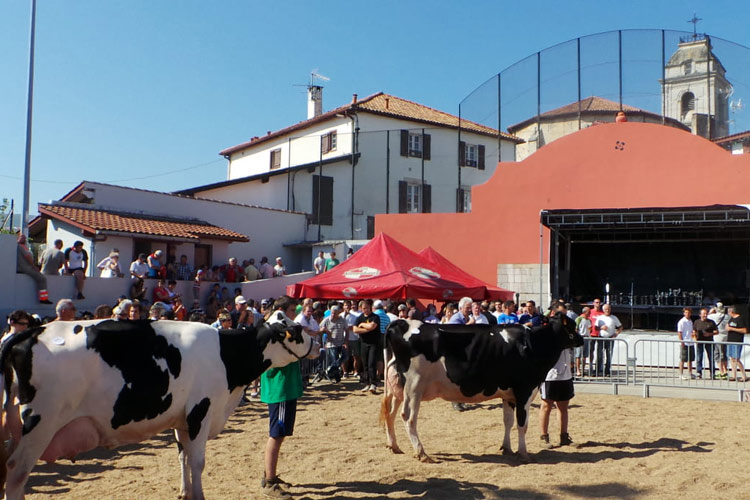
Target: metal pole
{"type": "Point", "coordinates": [421, 186]}
{"type": "Point", "coordinates": [541, 261]}
{"type": "Point", "coordinates": [387, 171]}
{"type": "Point", "coordinates": [708, 88]}
{"type": "Point", "coordinates": [29, 109]}
{"type": "Point", "coordinates": [288, 172]}
{"type": "Point", "coordinates": [499, 122]}
{"type": "Point", "coordinates": [459, 202]}
{"type": "Point", "coordinates": [320, 179]}
{"type": "Point", "coordinates": [619, 45]}
{"type": "Point", "coordinates": [578, 46]}
{"type": "Point", "coordinates": [663, 80]}
{"type": "Point", "coordinates": [538, 98]}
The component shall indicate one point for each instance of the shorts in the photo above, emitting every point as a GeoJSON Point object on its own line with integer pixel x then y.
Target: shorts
{"type": "Point", "coordinates": [687, 353]}
{"type": "Point", "coordinates": [281, 418]}
{"type": "Point", "coordinates": [73, 271]}
{"type": "Point", "coordinates": [734, 351]}
{"type": "Point", "coordinates": [557, 390]}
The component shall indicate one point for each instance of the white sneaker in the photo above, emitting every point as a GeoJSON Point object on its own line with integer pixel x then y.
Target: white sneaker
{"type": "Point", "coordinates": [365, 388]}
{"type": "Point", "coordinates": [373, 389]}
{"type": "Point", "coordinates": [685, 377]}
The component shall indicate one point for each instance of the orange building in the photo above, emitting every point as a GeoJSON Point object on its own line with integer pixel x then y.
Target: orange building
{"type": "Point", "coordinates": [637, 206]}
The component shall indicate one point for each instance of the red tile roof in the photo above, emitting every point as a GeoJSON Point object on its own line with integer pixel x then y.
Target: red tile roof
{"type": "Point", "coordinates": [592, 105]}
{"type": "Point", "coordinates": [384, 105]}
{"type": "Point", "coordinates": [734, 137]}
{"type": "Point", "coordinates": [94, 220]}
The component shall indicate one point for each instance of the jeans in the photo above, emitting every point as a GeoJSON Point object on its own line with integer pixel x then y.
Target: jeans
{"type": "Point", "coordinates": [336, 356]}
{"type": "Point", "coordinates": [603, 346]}
{"type": "Point", "coordinates": [709, 349]}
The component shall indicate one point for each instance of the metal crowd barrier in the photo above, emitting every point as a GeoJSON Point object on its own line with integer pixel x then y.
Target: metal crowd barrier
{"type": "Point", "coordinates": [655, 362]}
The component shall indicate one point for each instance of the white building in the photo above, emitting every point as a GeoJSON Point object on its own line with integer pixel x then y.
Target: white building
{"type": "Point", "coordinates": [106, 217]}
{"type": "Point", "coordinates": [381, 154]}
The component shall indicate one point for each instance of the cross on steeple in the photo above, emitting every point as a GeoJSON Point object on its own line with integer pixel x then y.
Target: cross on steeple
{"type": "Point", "coordinates": [695, 20]}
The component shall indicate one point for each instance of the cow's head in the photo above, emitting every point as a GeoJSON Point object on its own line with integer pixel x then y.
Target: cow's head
{"type": "Point", "coordinates": [285, 341]}
{"type": "Point", "coordinates": [565, 330]}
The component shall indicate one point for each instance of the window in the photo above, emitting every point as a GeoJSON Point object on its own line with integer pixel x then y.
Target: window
{"type": "Point", "coordinates": [415, 144]}
{"type": "Point", "coordinates": [322, 200]}
{"type": "Point", "coordinates": [466, 200]}
{"type": "Point", "coordinates": [471, 155]}
{"type": "Point", "coordinates": [328, 142]}
{"type": "Point", "coordinates": [687, 67]}
{"type": "Point", "coordinates": [413, 195]}
{"type": "Point", "coordinates": [687, 103]}
{"type": "Point", "coordinates": [276, 158]}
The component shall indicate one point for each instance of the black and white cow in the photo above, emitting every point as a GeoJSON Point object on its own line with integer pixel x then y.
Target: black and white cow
{"type": "Point", "coordinates": [73, 386]}
{"type": "Point", "coordinates": [469, 364]}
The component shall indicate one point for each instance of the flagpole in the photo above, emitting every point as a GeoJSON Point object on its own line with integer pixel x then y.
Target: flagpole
{"type": "Point", "coordinates": [29, 107]}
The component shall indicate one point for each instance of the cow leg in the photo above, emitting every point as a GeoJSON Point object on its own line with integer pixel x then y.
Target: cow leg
{"type": "Point", "coordinates": [410, 414]}
{"type": "Point", "coordinates": [185, 483]}
{"type": "Point", "coordinates": [391, 405]}
{"type": "Point", "coordinates": [508, 425]}
{"type": "Point", "coordinates": [26, 455]}
{"type": "Point", "coordinates": [522, 417]}
{"type": "Point", "coordinates": [195, 451]}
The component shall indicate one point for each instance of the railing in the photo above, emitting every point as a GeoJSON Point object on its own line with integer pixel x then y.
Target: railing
{"type": "Point", "coordinates": [657, 363]}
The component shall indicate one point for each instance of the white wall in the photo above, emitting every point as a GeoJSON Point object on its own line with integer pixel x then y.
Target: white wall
{"type": "Point", "coordinates": [370, 190]}
{"type": "Point", "coordinates": [267, 229]}
{"type": "Point", "coordinates": [305, 148]}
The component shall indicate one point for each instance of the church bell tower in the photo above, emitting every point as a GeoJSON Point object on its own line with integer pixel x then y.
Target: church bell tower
{"type": "Point", "coordinates": [695, 89]}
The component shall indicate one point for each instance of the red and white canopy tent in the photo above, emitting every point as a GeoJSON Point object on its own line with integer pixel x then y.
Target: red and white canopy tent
{"type": "Point", "coordinates": [447, 268]}
{"type": "Point", "coordinates": [386, 269]}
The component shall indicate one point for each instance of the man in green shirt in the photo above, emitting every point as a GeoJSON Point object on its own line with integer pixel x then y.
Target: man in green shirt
{"type": "Point", "coordinates": [332, 261]}
{"type": "Point", "coordinates": [279, 389]}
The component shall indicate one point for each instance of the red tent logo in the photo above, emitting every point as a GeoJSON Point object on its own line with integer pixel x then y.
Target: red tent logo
{"type": "Point", "coordinates": [359, 273]}
{"type": "Point", "coordinates": [421, 272]}
{"type": "Point", "coordinates": [349, 291]}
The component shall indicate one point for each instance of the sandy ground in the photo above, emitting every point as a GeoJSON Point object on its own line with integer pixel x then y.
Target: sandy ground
{"type": "Point", "coordinates": [626, 447]}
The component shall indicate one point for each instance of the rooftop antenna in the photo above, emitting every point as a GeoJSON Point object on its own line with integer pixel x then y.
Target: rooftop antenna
{"type": "Point", "coordinates": [695, 21]}
{"type": "Point", "coordinates": [314, 93]}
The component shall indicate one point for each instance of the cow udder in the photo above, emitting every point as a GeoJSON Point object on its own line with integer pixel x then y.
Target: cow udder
{"type": "Point", "coordinates": [76, 437]}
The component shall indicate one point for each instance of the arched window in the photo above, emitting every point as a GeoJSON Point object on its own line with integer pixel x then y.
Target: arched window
{"type": "Point", "coordinates": [687, 103]}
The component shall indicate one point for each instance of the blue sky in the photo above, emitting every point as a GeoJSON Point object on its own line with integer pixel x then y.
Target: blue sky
{"type": "Point", "coordinates": [146, 94]}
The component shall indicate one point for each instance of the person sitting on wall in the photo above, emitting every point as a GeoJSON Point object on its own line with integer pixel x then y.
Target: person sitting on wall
{"type": "Point", "coordinates": [25, 265]}
{"type": "Point", "coordinates": [76, 262]}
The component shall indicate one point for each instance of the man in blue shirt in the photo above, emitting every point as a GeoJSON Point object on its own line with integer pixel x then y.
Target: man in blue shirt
{"type": "Point", "coordinates": [463, 316]}
{"type": "Point", "coordinates": [508, 316]}
{"type": "Point", "coordinates": [532, 317]}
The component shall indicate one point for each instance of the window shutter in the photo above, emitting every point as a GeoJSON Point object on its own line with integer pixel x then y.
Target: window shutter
{"type": "Point", "coordinates": [404, 143]}
{"type": "Point", "coordinates": [461, 154]}
{"type": "Point", "coordinates": [326, 201]}
{"type": "Point", "coordinates": [402, 197]}
{"type": "Point", "coordinates": [315, 195]}
{"type": "Point", "coordinates": [459, 200]}
{"type": "Point", "coordinates": [426, 146]}
{"type": "Point", "coordinates": [480, 160]}
{"type": "Point", "coordinates": [426, 198]}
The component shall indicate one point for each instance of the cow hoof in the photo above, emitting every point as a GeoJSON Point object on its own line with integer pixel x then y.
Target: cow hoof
{"type": "Point", "coordinates": [506, 451]}
{"type": "Point", "coordinates": [425, 458]}
{"type": "Point", "coordinates": [395, 449]}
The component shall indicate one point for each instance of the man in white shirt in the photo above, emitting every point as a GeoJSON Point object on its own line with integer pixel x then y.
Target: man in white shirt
{"type": "Point", "coordinates": [139, 267]}
{"type": "Point", "coordinates": [608, 326]}
{"type": "Point", "coordinates": [687, 349]}
{"type": "Point", "coordinates": [319, 263]}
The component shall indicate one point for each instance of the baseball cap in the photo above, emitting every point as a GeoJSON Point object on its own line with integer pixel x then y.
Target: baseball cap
{"type": "Point", "coordinates": [264, 302]}
{"type": "Point", "coordinates": [240, 300]}
{"type": "Point", "coordinates": [378, 304]}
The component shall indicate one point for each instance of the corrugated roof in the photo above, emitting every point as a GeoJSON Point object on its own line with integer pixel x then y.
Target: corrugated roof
{"type": "Point", "coordinates": [96, 220]}
{"type": "Point", "coordinates": [384, 105]}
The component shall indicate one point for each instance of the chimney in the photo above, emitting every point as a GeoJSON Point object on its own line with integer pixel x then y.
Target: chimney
{"type": "Point", "coordinates": [354, 98]}
{"type": "Point", "coordinates": [314, 101]}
